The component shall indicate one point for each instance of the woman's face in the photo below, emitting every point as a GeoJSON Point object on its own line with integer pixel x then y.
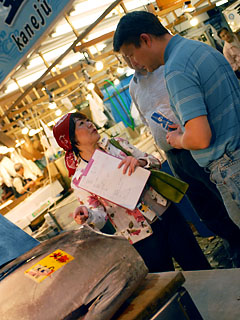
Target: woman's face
{"type": "Point", "coordinates": [85, 132]}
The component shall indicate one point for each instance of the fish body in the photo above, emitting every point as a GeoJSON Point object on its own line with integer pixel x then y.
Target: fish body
{"type": "Point", "coordinates": [96, 274]}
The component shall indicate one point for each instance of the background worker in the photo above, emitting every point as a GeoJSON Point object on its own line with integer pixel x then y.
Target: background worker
{"type": "Point", "coordinates": [231, 49]}
{"type": "Point", "coordinates": [20, 183]}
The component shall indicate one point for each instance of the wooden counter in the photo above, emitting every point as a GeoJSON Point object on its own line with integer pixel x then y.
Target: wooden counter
{"type": "Point", "coordinates": [150, 296]}
{"type": "Point", "coordinates": [215, 294]}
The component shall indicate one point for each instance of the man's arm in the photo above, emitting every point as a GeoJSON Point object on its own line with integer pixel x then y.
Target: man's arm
{"type": "Point", "coordinates": [197, 135]}
{"type": "Point", "coordinates": [17, 183]}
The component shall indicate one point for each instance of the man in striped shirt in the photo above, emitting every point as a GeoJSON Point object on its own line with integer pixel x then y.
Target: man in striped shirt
{"type": "Point", "coordinates": [204, 94]}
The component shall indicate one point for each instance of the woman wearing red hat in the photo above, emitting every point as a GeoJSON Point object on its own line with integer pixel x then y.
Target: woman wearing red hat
{"type": "Point", "coordinates": [167, 236]}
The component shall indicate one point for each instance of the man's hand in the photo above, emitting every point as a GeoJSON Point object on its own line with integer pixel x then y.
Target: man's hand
{"type": "Point", "coordinates": [29, 185]}
{"type": "Point", "coordinates": [130, 163]}
{"type": "Point", "coordinates": [197, 135]}
{"type": "Point", "coordinates": [81, 215]}
{"type": "Point", "coordinates": [174, 138]}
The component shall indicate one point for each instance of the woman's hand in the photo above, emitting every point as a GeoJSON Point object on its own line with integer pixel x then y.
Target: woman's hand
{"type": "Point", "coordinates": [130, 163]}
{"type": "Point", "coordinates": [81, 215]}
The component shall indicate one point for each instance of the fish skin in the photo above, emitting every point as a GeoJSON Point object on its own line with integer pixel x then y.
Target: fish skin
{"type": "Point", "coordinates": [105, 271]}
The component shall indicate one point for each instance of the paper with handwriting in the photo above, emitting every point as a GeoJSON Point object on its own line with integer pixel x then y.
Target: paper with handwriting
{"type": "Point", "coordinates": [103, 178]}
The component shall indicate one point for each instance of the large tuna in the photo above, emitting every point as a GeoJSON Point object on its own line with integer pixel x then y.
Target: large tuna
{"type": "Point", "coordinates": [84, 274]}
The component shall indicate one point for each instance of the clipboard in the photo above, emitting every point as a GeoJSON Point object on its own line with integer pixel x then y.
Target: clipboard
{"type": "Point", "coordinates": [103, 178]}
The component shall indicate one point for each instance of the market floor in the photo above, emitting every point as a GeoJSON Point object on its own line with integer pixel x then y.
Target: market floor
{"type": "Point", "coordinates": [214, 250]}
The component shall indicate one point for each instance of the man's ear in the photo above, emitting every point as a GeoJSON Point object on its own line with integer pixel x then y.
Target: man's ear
{"type": "Point", "coordinates": [146, 39]}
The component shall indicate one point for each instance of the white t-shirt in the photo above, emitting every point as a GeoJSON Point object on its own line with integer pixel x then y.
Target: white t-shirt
{"type": "Point", "coordinates": [149, 94]}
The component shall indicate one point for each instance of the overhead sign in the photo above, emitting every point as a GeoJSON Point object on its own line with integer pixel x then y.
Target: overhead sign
{"type": "Point", "coordinates": [22, 25]}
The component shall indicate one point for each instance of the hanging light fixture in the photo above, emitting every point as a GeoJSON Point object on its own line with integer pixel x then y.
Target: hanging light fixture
{"type": "Point", "coordinates": [86, 75]}
{"type": "Point", "coordinates": [90, 86]}
{"type": "Point", "coordinates": [52, 105]}
{"type": "Point", "coordinates": [32, 132]}
{"type": "Point", "coordinates": [50, 96]}
{"type": "Point", "coordinates": [188, 7]}
{"type": "Point", "coordinates": [99, 65]}
{"type": "Point", "coordinates": [89, 96]}
{"type": "Point", "coordinates": [51, 123]}
{"type": "Point", "coordinates": [116, 81]}
{"type": "Point", "coordinates": [192, 20]}
{"type": "Point", "coordinates": [3, 149]}
{"type": "Point", "coordinates": [25, 130]}
{"type": "Point", "coordinates": [58, 112]}
{"type": "Point", "coordinates": [19, 143]}
{"type": "Point", "coordinates": [129, 72]}
{"type": "Point", "coordinates": [120, 70]}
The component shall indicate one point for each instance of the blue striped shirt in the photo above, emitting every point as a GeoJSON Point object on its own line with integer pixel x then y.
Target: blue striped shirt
{"type": "Point", "coordinates": [200, 82]}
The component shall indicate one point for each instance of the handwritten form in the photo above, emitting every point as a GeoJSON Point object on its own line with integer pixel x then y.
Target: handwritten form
{"type": "Point", "coordinates": [103, 178]}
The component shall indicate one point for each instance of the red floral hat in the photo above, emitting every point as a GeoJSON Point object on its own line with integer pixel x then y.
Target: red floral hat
{"type": "Point", "coordinates": [61, 134]}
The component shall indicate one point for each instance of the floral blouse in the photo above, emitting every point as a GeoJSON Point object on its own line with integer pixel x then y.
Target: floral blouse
{"type": "Point", "coordinates": [129, 223]}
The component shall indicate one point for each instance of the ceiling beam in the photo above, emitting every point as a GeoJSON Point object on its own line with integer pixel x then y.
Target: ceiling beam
{"type": "Point", "coordinates": [182, 18]}
{"type": "Point", "coordinates": [81, 36]}
{"type": "Point", "coordinates": [20, 106]}
{"type": "Point", "coordinates": [46, 98]}
{"type": "Point", "coordinates": [169, 10]}
{"type": "Point", "coordinates": [197, 4]}
{"type": "Point", "coordinates": [9, 98]}
{"type": "Point", "coordinates": [6, 140]}
{"type": "Point", "coordinates": [94, 41]}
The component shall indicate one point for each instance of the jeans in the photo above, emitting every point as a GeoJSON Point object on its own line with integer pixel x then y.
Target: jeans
{"type": "Point", "coordinates": [204, 196]}
{"type": "Point", "coordinates": [225, 173]}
